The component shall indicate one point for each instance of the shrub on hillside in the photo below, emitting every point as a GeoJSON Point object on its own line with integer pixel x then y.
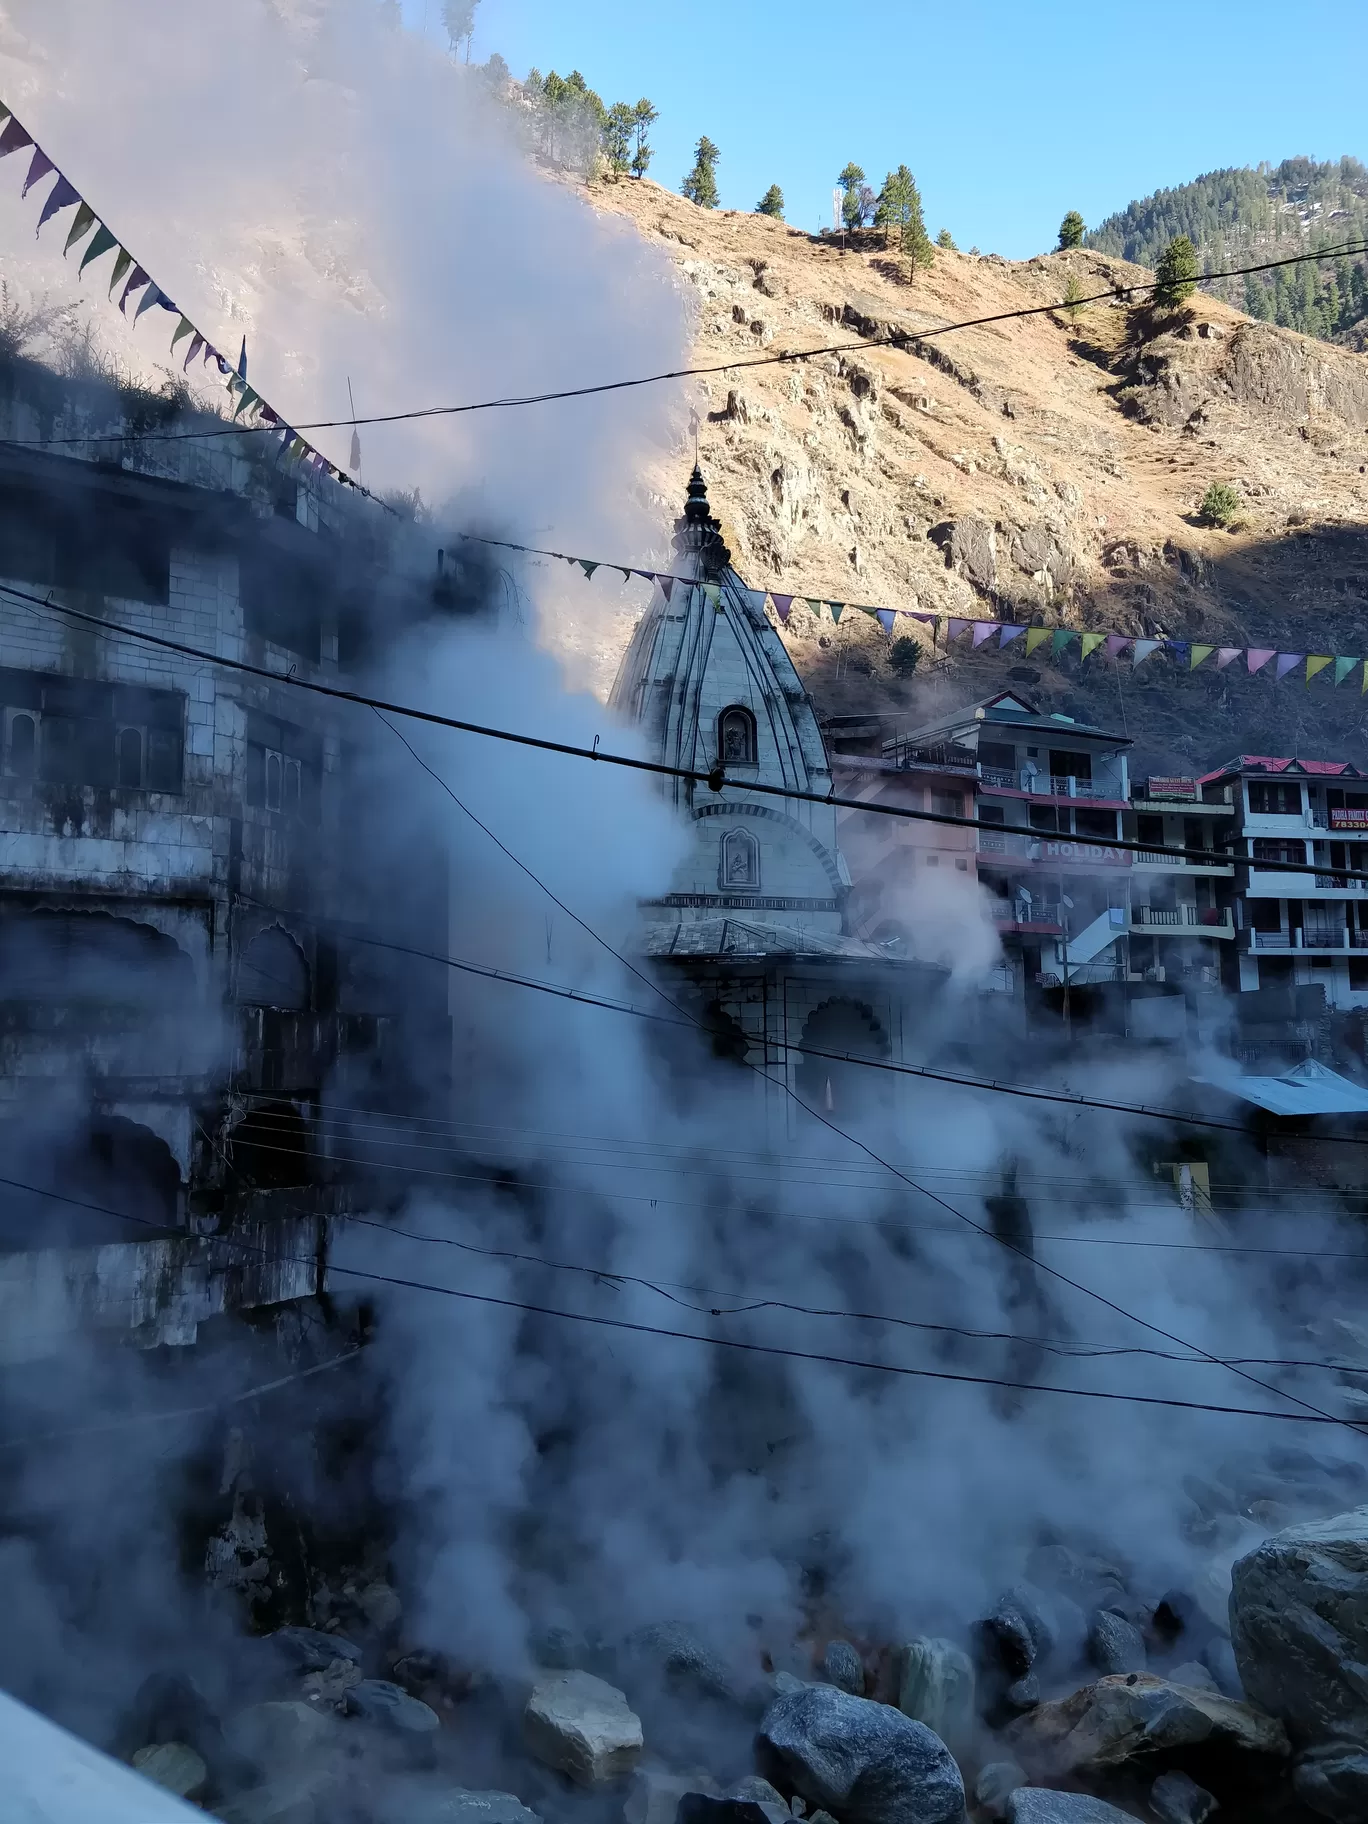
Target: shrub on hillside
{"type": "Point", "coordinates": [1220, 504]}
{"type": "Point", "coordinates": [904, 656]}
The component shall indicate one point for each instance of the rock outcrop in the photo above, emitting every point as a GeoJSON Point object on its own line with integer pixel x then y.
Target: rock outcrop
{"type": "Point", "coordinates": [864, 1762]}
{"type": "Point", "coordinates": [582, 1727]}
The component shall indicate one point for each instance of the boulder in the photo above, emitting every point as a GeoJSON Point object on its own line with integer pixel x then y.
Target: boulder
{"type": "Point", "coordinates": [1299, 1627]}
{"type": "Point", "coordinates": [702, 1808]}
{"type": "Point", "coordinates": [454, 1805]}
{"type": "Point", "coordinates": [1218, 1656]}
{"type": "Point", "coordinates": [1018, 1628]}
{"type": "Point", "coordinates": [379, 1701]}
{"type": "Point", "coordinates": [174, 1767]}
{"type": "Point", "coordinates": [865, 1762]}
{"type": "Point", "coordinates": [582, 1727]}
{"type": "Point", "coordinates": [1175, 1799]}
{"type": "Point", "coordinates": [1115, 1644]}
{"type": "Point", "coordinates": [753, 1787]}
{"type": "Point", "coordinates": [679, 1659]}
{"type": "Point", "coordinates": [329, 1687]}
{"type": "Point", "coordinates": [655, 1792]}
{"type": "Point", "coordinates": [311, 1650]}
{"type": "Point", "coordinates": [280, 1735]}
{"type": "Point", "coordinates": [1333, 1781]}
{"type": "Point", "coordinates": [1120, 1720]}
{"type": "Point", "coordinates": [1036, 1805]}
{"type": "Point", "coordinates": [1192, 1674]}
{"type": "Point", "coordinates": [380, 1606]}
{"type": "Point", "coordinates": [843, 1667]}
{"type": "Point", "coordinates": [936, 1687]}
{"type": "Point", "coordinates": [995, 1785]}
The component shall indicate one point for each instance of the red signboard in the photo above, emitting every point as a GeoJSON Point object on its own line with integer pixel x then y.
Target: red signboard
{"type": "Point", "coordinates": [1343, 819]}
{"type": "Point", "coordinates": [1085, 851]}
{"type": "Point", "coordinates": [1186, 789]}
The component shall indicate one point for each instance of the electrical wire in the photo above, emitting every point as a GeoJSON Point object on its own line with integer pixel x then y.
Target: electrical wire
{"type": "Point", "coordinates": [715, 779]}
{"type": "Point", "coordinates": [1308, 1417]}
{"type": "Point", "coordinates": [905, 341]}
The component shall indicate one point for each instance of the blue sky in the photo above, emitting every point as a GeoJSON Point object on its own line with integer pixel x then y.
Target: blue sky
{"type": "Point", "coordinates": [1009, 114]}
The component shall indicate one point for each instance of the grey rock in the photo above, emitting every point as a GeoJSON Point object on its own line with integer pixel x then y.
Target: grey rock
{"type": "Point", "coordinates": [785, 1683]}
{"type": "Point", "coordinates": [457, 1806]}
{"type": "Point", "coordinates": [655, 1792]}
{"type": "Point", "coordinates": [378, 1701]}
{"type": "Point", "coordinates": [1019, 1628]}
{"type": "Point", "coordinates": [281, 1735]}
{"type": "Point", "coordinates": [702, 1808]}
{"type": "Point", "coordinates": [1024, 1694]}
{"type": "Point", "coordinates": [1194, 1675]}
{"type": "Point", "coordinates": [843, 1667]}
{"type": "Point", "coordinates": [1299, 1626]}
{"type": "Point", "coordinates": [174, 1767]}
{"type": "Point", "coordinates": [311, 1650]}
{"type": "Point", "coordinates": [1218, 1656]}
{"type": "Point", "coordinates": [995, 1785]}
{"type": "Point", "coordinates": [865, 1762]}
{"type": "Point", "coordinates": [1037, 1805]}
{"type": "Point", "coordinates": [380, 1606]}
{"type": "Point", "coordinates": [676, 1654]}
{"type": "Point", "coordinates": [1114, 1644]}
{"type": "Point", "coordinates": [753, 1787]}
{"type": "Point", "coordinates": [1333, 1781]}
{"type": "Point", "coordinates": [1176, 1799]}
{"type": "Point", "coordinates": [582, 1727]}
{"type": "Point", "coordinates": [936, 1687]}
{"type": "Point", "coordinates": [1118, 1720]}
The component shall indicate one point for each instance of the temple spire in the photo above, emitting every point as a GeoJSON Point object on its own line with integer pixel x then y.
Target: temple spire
{"type": "Point", "coordinates": [698, 535]}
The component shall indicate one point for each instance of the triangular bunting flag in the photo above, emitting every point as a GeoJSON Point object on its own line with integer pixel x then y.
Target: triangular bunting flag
{"type": "Point", "coordinates": [14, 138]}
{"type": "Point", "coordinates": [667, 584]}
{"type": "Point", "coordinates": [814, 603]}
{"type": "Point", "coordinates": [84, 222]}
{"type": "Point", "coordinates": [1035, 636]}
{"type": "Point", "coordinates": [1179, 650]}
{"type": "Point", "coordinates": [247, 401]}
{"type": "Point", "coordinates": [1364, 686]}
{"type": "Point", "coordinates": [1316, 664]}
{"type": "Point", "coordinates": [1091, 642]}
{"type": "Point", "coordinates": [1144, 649]}
{"type": "Point", "coordinates": [63, 196]}
{"type": "Point", "coordinates": [137, 280]}
{"type": "Point", "coordinates": [1286, 661]}
{"type": "Point", "coordinates": [755, 599]}
{"type": "Point", "coordinates": [982, 629]}
{"type": "Point", "coordinates": [587, 565]}
{"type": "Point", "coordinates": [1115, 643]}
{"type": "Point", "coordinates": [1342, 669]}
{"type": "Point", "coordinates": [1009, 634]}
{"type": "Point", "coordinates": [40, 167]}
{"type": "Point", "coordinates": [101, 244]}
{"type": "Point", "coordinates": [1226, 655]}
{"type": "Point", "coordinates": [184, 328]}
{"type": "Point", "coordinates": [1258, 656]}
{"type": "Point", "coordinates": [1061, 638]}
{"type": "Point", "coordinates": [712, 592]}
{"type": "Point", "coordinates": [196, 344]}
{"type": "Point", "coordinates": [4, 111]}
{"type": "Point", "coordinates": [955, 626]}
{"type": "Point", "coordinates": [885, 618]}
{"type": "Point", "coordinates": [122, 266]}
{"type": "Point", "coordinates": [1198, 654]}
{"type": "Point", "coordinates": [837, 609]}
{"type": "Point", "coordinates": [150, 297]}
{"type": "Point", "coordinates": [782, 605]}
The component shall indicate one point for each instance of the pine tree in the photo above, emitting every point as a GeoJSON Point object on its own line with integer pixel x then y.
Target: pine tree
{"type": "Point", "coordinates": [1257, 303]}
{"type": "Point", "coordinates": [852, 207]}
{"type": "Point", "coordinates": [1071, 230]}
{"type": "Point", "coordinates": [899, 209]}
{"type": "Point", "coordinates": [617, 138]}
{"type": "Point", "coordinates": [947, 240]}
{"type": "Point", "coordinates": [772, 203]}
{"type": "Point", "coordinates": [458, 17]}
{"type": "Point", "coordinates": [1177, 272]}
{"type": "Point", "coordinates": [644, 117]}
{"type": "Point", "coordinates": [700, 186]}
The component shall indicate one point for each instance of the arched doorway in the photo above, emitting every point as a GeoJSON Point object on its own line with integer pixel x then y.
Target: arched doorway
{"type": "Point", "coordinates": [828, 1083]}
{"type": "Point", "coordinates": [268, 1148]}
{"type": "Point", "coordinates": [272, 972]}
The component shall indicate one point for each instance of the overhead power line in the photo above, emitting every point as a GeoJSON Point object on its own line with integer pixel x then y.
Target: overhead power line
{"type": "Point", "coordinates": [1309, 1417]}
{"type": "Point", "coordinates": [715, 779]}
{"type": "Point", "coordinates": [905, 340]}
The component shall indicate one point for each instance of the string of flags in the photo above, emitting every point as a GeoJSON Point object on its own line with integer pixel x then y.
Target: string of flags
{"type": "Point", "coordinates": [1187, 655]}
{"type": "Point", "coordinates": [141, 291]}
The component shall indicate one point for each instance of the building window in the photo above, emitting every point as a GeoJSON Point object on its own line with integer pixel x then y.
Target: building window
{"type": "Point", "coordinates": [736, 736]}
{"type": "Point", "coordinates": [1267, 799]}
{"type": "Point", "coordinates": [992, 813]}
{"type": "Point", "coordinates": [283, 782]}
{"type": "Point", "coordinates": [1065, 764]}
{"type": "Point", "coordinates": [1046, 818]}
{"type": "Point", "coordinates": [947, 804]}
{"type": "Point", "coordinates": [130, 758]}
{"type": "Point", "coordinates": [1095, 823]}
{"type": "Point", "coordinates": [740, 859]}
{"type": "Point", "coordinates": [1358, 974]}
{"type": "Point", "coordinates": [21, 748]}
{"type": "Point", "coordinates": [1274, 848]}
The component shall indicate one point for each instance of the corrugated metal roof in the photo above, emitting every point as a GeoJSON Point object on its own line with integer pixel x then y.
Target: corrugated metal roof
{"type": "Point", "coordinates": [1306, 1089]}
{"type": "Point", "coordinates": [1270, 763]}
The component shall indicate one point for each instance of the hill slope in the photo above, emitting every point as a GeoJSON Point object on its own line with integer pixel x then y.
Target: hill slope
{"type": "Point", "coordinates": [1240, 216]}
{"type": "Point", "coordinates": [1041, 468]}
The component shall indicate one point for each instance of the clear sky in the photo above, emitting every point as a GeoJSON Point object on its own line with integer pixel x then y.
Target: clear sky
{"type": "Point", "coordinates": [1009, 112]}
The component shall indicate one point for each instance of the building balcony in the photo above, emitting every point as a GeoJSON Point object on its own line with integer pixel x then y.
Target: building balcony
{"type": "Point", "coordinates": [1050, 851]}
{"type": "Point", "coordinates": [1271, 883]}
{"type": "Point", "coordinates": [1343, 942]}
{"type": "Point", "coordinates": [1104, 787]}
{"type": "Point", "coordinates": [1156, 858]}
{"type": "Point", "coordinates": [1184, 921]}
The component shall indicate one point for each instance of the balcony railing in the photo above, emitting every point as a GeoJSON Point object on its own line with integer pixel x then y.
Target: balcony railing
{"type": "Point", "coordinates": [1302, 939]}
{"type": "Point", "coordinates": [998, 776]}
{"type": "Point", "coordinates": [1195, 918]}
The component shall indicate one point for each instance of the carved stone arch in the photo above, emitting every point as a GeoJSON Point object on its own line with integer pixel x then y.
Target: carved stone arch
{"type": "Point", "coordinates": [830, 864]}
{"type": "Point", "coordinates": [268, 1148]}
{"type": "Point", "coordinates": [273, 972]}
{"type": "Point", "coordinates": [736, 736]}
{"type": "Point", "coordinates": [844, 1028]}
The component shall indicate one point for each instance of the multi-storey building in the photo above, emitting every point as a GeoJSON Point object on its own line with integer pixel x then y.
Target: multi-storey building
{"type": "Point", "coordinates": [1298, 930]}
{"type": "Point", "coordinates": [1182, 918]}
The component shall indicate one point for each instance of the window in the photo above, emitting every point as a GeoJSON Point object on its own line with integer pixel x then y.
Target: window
{"type": "Point", "coordinates": [1066, 765]}
{"type": "Point", "coordinates": [1276, 848]}
{"type": "Point", "coordinates": [1358, 974]}
{"type": "Point", "coordinates": [283, 782]}
{"type": "Point", "coordinates": [1045, 817]}
{"type": "Point", "coordinates": [740, 860]}
{"type": "Point", "coordinates": [947, 804]}
{"type": "Point", "coordinates": [284, 768]}
{"type": "Point", "coordinates": [992, 813]}
{"type": "Point", "coordinates": [1150, 829]}
{"type": "Point", "coordinates": [1267, 799]}
{"type": "Point", "coordinates": [1265, 914]}
{"type": "Point", "coordinates": [736, 736]}
{"type": "Point", "coordinates": [997, 755]}
{"type": "Point", "coordinates": [83, 731]}
{"type": "Point", "coordinates": [1095, 823]}
{"type": "Point", "coordinates": [130, 757]}
{"type": "Point", "coordinates": [21, 747]}
{"type": "Point", "coordinates": [1194, 833]}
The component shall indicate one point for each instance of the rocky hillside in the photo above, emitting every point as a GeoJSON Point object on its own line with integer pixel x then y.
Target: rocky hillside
{"type": "Point", "coordinates": [1048, 468]}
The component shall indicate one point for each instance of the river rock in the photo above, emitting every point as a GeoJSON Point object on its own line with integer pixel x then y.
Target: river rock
{"type": "Point", "coordinates": [454, 1805]}
{"type": "Point", "coordinates": [843, 1667]}
{"type": "Point", "coordinates": [1115, 1644]}
{"type": "Point", "coordinates": [174, 1767]}
{"type": "Point", "coordinates": [390, 1705]}
{"type": "Point", "coordinates": [1176, 1799]}
{"type": "Point", "coordinates": [1192, 1674]}
{"type": "Point", "coordinates": [1299, 1627]}
{"type": "Point", "coordinates": [1333, 1781]}
{"type": "Point", "coordinates": [936, 1687]}
{"type": "Point", "coordinates": [1019, 1629]}
{"type": "Point", "coordinates": [865, 1762]}
{"type": "Point", "coordinates": [655, 1792]}
{"type": "Point", "coordinates": [380, 1606]}
{"type": "Point", "coordinates": [679, 1659]}
{"type": "Point", "coordinates": [703, 1808]}
{"type": "Point", "coordinates": [583, 1727]}
{"type": "Point", "coordinates": [1037, 1805]}
{"type": "Point", "coordinates": [1117, 1720]}
{"type": "Point", "coordinates": [995, 1785]}
{"type": "Point", "coordinates": [311, 1650]}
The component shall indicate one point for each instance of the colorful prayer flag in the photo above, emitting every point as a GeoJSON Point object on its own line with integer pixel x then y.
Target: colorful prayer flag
{"type": "Point", "coordinates": [39, 168]}
{"type": "Point", "coordinates": [1009, 634]}
{"type": "Point", "coordinates": [1035, 636]}
{"type": "Point", "coordinates": [1342, 669]}
{"type": "Point", "coordinates": [196, 344]}
{"type": "Point", "coordinates": [1198, 654]}
{"type": "Point", "coordinates": [885, 618]}
{"type": "Point", "coordinates": [954, 627]}
{"type": "Point", "coordinates": [1226, 654]}
{"type": "Point", "coordinates": [982, 629]}
{"type": "Point", "coordinates": [101, 244]}
{"type": "Point", "coordinates": [836, 608]}
{"type": "Point", "coordinates": [1286, 661]}
{"type": "Point", "coordinates": [712, 592]}
{"type": "Point", "coordinates": [1316, 663]}
{"type": "Point", "coordinates": [1091, 642]}
{"type": "Point", "coordinates": [14, 138]}
{"type": "Point", "coordinates": [1061, 639]}
{"type": "Point", "coordinates": [1258, 656]}
{"type": "Point", "coordinates": [62, 197]}
{"type": "Point", "coordinates": [1115, 643]}
{"type": "Point", "coordinates": [782, 605]}
{"type": "Point", "coordinates": [84, 222]}
{"type": "Point", "coordinates": [122, 266]}
{"type": "Point", "coordinates": [150, 297]}
{"type": "Point", "coordinates": [136, 282]}
{"type": "Point", "coordinates": [587, 566]}
{"type": "Point", "coordinates": [1144, 649]}
{"type": "Point", "coordinates": [184, 328]}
